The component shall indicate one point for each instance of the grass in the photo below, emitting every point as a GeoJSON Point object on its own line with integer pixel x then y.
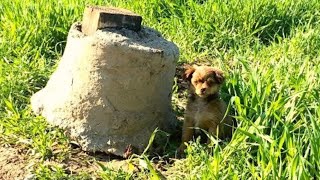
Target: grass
{"type": "Point", "coordinates": [268, 49]}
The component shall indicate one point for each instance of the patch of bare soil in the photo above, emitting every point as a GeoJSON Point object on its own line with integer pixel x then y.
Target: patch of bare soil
{"type": "Point", "coordinates": [78, 162]}
{"type": "Point", "coordinates": [13, 163]}
{"type": "Point", "coordinates": [179, 98]}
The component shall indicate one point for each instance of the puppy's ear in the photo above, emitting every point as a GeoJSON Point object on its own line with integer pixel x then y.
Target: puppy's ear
{"type": "Point", "coordinates": [218, 76]}
{"type": "Point", "coordinates": [189, 70]}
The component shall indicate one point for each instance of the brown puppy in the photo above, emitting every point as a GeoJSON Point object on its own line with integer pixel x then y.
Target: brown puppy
{"type": "Point", "coordinates": [205, 109]}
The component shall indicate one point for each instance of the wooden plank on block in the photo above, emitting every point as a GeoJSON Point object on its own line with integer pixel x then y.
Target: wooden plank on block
{"type": "Point", "coordinates": [97, 17]}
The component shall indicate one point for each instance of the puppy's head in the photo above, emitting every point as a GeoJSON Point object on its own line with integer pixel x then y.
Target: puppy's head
{"type": "Point", "coordinates": [204, 80]}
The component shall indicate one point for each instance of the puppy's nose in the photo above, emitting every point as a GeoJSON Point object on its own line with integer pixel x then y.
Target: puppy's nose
{"type": "Point", "coordinates": [203, 90]}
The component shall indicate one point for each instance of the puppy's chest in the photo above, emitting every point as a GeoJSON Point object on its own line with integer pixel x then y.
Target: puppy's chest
{"type": "Point", "coordinates": [200, 110]}
{"type": "Point", "coordinates": [203, 113]}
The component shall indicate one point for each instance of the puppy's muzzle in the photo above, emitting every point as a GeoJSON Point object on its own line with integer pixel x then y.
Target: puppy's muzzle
{"type": "Point", "coordinates": [203, 90]}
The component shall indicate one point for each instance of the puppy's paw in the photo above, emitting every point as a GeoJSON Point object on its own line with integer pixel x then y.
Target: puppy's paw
{"type": "Point", "coordinates": [180, 151]}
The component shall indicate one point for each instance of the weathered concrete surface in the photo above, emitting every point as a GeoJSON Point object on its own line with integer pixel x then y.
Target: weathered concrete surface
{"type": "Point", "coordinates": [111, 89]}
{"type": "Point", "coordinates": [97, 17]}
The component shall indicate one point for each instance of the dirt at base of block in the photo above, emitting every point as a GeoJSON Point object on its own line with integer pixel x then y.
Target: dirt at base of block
{"type": "Point", "coordinates": [12, 164]}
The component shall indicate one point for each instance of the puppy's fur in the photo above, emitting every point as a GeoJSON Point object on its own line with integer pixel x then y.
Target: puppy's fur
{"type": "Point", "coordinates": [205, 109]}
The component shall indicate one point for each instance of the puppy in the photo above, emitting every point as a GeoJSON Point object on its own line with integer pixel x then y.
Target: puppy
{"type": "Point", "coordinates": [205, 109]}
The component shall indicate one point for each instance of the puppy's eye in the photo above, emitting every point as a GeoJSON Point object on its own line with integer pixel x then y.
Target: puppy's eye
{"type": "Point", "coordinates": [198, 81]}
{"type": "Point", "coordinates": [210, 81]}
